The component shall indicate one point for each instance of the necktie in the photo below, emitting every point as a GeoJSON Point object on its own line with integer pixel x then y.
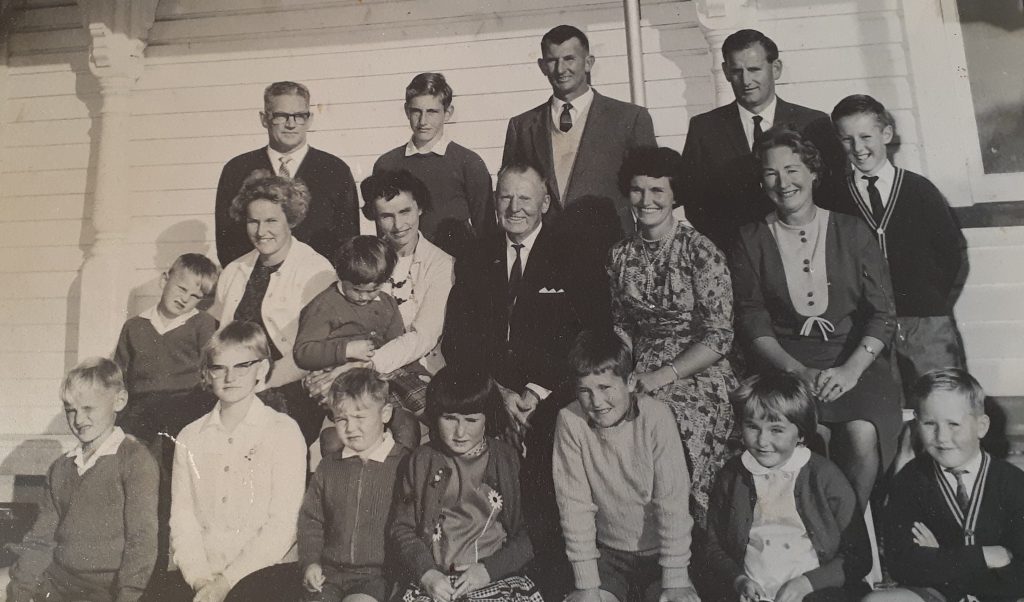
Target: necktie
{"type": "Point", "coordinates": [758, 132]}
{"type": "Point", "coordinates": [285, 172]}
{"type": "Point", "coordinates": [963, 499]}
{"type": "Point", "coordinates": [877, 210]}
{"type": "Point", "coordinates": [515, 277]}
{"type": "Point", "coordinates": [565, 120]}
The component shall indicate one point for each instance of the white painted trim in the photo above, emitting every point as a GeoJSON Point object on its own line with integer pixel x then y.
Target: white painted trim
{"type": "Point", "coordinates": [948, 130]}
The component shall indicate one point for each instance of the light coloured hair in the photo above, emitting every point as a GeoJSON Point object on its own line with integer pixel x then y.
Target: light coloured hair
{"type": "Point", "coordinates": [92, 373]}
{"type": "Point", "coordinates": [949, 379]}
{"type": "Point", "coordinates": [199, 266]}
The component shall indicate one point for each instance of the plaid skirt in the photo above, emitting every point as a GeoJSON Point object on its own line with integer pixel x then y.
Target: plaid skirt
{"type": "Point", "coordinates": [509, 589]}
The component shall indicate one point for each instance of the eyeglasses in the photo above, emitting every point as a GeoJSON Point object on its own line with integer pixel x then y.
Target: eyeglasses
{"type": "Point", "coordinates": [280, 118]}
{"type": "Point", "coordinates": [242, 369]}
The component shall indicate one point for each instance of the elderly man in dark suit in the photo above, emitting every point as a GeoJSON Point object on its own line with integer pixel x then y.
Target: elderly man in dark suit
{"type": "Point", "coordinates": [719, 171]}
{"type": "Point", "coordinates": [333, 215]}
{"type": "Point", "coordinates": [578, 138]}
{"type": "Point", "coordinates": [516, 307]}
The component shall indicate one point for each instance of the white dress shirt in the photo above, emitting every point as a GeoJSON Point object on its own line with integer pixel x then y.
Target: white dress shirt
{"type": "Point", "coordinates": [161, 325]}
{"type": "Point", "coordinates": [109, 447]}
{"type": "Point", "coordinates": [524, 253]}
{"type": "Point", "coordinates": [886, 176]}
{"type": "Point", "coordinates": [296, 156]}
{"type": "Point", "coordinates": [972, 467]}
{"type": "Point", "coordinates": [579, 111]}
{"type": "Point", "coordinates": [437, 146]}
{"type": "Point", "coordinates": [747, 119]}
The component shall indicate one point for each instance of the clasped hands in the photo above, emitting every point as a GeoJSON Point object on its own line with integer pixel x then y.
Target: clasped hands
{"type": "Point", "coordinates": [831, 383]}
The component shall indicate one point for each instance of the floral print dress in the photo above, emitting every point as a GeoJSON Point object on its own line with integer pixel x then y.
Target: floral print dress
{"type": "Point", "coordinates": [666, 296]}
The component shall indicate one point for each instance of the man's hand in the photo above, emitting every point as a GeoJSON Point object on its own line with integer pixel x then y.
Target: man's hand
{"type": "Point", "coordinates": [313, 579]}
{"type": "Point", "coordinates": [678, 594]}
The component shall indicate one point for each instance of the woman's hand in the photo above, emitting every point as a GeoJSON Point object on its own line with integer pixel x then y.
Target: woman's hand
{"type": "Point", "coordinates": [437, 586]}
{"type": "Point", "coordinates": [313, 579]}
{"type": "Point", "coordinates": [749, 590]}
{"type": "Point", "coordinates": [472, 577]}
{"type": "Point", "coordinates": [318, 383]}
{"type": "Point", "coordinates": [360, 351]}
{"type": "Point", "coordinates": [833, 383]}
{"type": "Point", "coordinates": [214, 591]}
{"type": "Point", "coordinates": [649, 382]}
{"type": "Point", "coordinates": [794, 590]}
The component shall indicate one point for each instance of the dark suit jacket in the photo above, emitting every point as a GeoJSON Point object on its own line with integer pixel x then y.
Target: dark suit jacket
{"type": "Point", "coordinates": [542, 325]}
{"type": "Point", "coordinates": [613, 128]}
{"type": "Point", "coordinates": [333, 215]}
{"type": "Point", "coordinates": [722, 178]}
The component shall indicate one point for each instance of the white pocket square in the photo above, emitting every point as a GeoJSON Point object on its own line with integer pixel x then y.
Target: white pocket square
{"type": "Point", "coordinates": [551, 291]}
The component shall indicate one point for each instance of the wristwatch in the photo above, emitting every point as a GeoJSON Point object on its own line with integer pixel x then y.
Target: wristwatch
{"type": "Point", "coordinates": [869, 349]}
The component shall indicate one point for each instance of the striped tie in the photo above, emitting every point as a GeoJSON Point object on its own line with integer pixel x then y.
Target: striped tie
{"type": "Point", "coordinates": [285, 172]}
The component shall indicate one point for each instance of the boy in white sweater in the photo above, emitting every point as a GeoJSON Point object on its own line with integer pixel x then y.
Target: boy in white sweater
{"type": "Point", "coordinates": [621, 483]}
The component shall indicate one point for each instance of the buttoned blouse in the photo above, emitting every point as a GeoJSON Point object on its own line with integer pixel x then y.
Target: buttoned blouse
{"type": "Point", "coordinates": [235, 495]}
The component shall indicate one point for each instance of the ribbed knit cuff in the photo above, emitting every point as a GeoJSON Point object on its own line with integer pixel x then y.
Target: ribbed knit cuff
{"type": "Point", "coordinates": [587, 576]}
{"type": "Point", "coordinates": [675, 577]}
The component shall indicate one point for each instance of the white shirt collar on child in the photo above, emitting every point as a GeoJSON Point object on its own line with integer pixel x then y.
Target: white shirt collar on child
{"type": "Point", "coordinates": [801, 456]}
{"type": "Point", "coordinates": [163, 326]}
{"type": "Point", "coordinates": [107, 448]}
{"type": "Point", "coordinates": [378, 453]}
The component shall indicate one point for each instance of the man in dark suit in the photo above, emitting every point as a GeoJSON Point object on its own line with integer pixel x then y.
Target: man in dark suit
{"type": "Point", "coordinates": [516, 307]}
{"type": "Point", "coordinates": [333, 215]}
{"type": "Point", "coordinates": [720, 173]}
{"type": "Point", "coordinates": [578, 138]}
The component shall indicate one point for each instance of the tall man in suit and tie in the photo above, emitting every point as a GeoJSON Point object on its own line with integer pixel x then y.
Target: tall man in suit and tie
{"type": "Point", "coordinates": [515, 309]}
{"type": "Point", "coordinates": [333, 215]}
{"type": "Point", "coordinates": [720, 173]}
{"type": "Point", "coordinates": [579, 137]}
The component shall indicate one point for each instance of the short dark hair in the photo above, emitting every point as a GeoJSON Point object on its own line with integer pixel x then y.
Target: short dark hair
{"type": "Point", "coordinates": [653, 162]}
{"type": "Point", "coordinates": [387, 184]}
{"type": "Point", "coordinates": [745, 38]}
{"type": "Point", "coordinates": [465, 391]}
{"type": "Point", "coordinates": [365, 259]}
{"type": "Point", "coordinates": [283, 89]}
{"type": "Point", "coordinates": [262, 185]}
{"type": "Point", "coordinates": [561, 34]}
{"type": "Point", "coordinates": [199, 266]}
{"type": "Point", "coordinates": [949, 379]}
{"type": "Point", "coordinates": [430, 84]}
{"type": "Point", "coordinates": [856, 104]}
{"type": "Point", "coordinates": [595, 351]}
{"type": "Point", "coordinates": [358, 383]}
{"type": "Point", "coordinates": [778, 395]}
{"type": "Point", "coordinates": [783, 136]}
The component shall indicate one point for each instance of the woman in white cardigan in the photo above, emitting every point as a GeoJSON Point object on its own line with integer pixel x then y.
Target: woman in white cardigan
{"type": "Point", "coordinates": [272, 283]}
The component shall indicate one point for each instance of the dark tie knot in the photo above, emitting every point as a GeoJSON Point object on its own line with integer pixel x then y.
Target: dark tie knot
{"type": "Point", "coordinates": [757, 119]}
{"type": "Point", "coordinates": [517, 247]}
{"type": "Point", "coordinates": [956, 472]}
{"type": "Point", "coordinates": [565, 119]}
{"type": "Point", "coordinates": [871, 183]}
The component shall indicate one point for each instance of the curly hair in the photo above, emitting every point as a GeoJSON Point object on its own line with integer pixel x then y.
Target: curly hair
{"type": "Point", "coordinates": [387, 184]}
{"type": "Point", "coordinates": [262, 185]}
{"type": "Point", "coordinates": [785, 137]}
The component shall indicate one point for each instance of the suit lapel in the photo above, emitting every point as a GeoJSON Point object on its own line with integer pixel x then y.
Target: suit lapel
{"type": "Point", "coordinates": [733, 129]}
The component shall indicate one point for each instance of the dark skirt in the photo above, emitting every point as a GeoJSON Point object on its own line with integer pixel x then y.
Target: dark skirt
{"type": "Point", "coordinates": [875, 398]}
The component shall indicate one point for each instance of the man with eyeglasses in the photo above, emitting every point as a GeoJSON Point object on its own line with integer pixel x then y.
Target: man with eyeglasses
{"type": "Point", "coordinates": [333, 215]}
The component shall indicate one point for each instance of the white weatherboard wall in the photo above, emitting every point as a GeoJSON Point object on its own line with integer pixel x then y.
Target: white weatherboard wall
{"type": "Point", "coordinates": [196, 106]}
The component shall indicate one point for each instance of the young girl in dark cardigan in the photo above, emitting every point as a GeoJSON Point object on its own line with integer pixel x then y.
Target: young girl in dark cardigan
{"type": "Point", "coordinates": [784, 521]}
{"type": "Point", "coordinates": [458, 526]}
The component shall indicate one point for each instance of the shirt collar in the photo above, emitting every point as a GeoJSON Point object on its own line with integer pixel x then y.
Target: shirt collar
{"type": "Point", "coordinates": [438, 146]}
{"type": "Point", "coordinates": [162, 325]}
{"type": "Point", "coordinates": [253, 415]}
{"type": "Point", "coordinates": [801, 456]}
{"type": "Point", "coordinates": [886, 175]}
{"type": "Point", "coordinates": [527, 242]}
{"type": "Point", "coordinates": [971, 467]}
{"type": "Point", "coordinates": [579, 104]}
{"type": "Point", "coordinates": [768, 114]}
{"type": "Point", "coordinates": [297, 156]}
{"type": "Point", "coordinates": [378, 453]}
{"type": "Point", "coordinates": [109, 447]}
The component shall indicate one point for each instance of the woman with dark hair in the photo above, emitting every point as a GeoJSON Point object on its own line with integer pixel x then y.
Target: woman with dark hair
{"type": "Point", "coordinates": [671, 298]}
{"type": "Point", "coordinates": [813, 298]}
{"type": "Point", "coordinates": [272, 283]}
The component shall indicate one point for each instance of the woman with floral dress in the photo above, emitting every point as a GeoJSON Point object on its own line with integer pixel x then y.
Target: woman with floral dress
{"type": "Point", "coordinates": [672, 298]}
